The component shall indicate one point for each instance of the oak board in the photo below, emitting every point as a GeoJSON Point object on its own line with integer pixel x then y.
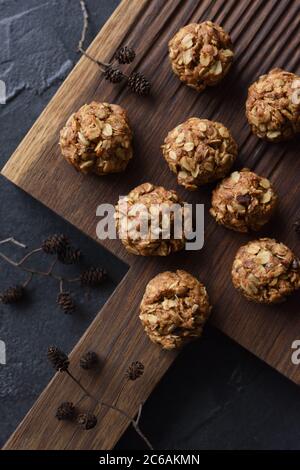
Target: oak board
{"type": "Point", "coordinates": [265, 34]}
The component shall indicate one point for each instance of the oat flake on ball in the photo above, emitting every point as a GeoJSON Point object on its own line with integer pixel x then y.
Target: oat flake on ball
{"type": "Point", "coordinates": [266, 271]}
{"type": "Point", "coordinates": [159, 238]}
{"type": "Point", "coordinates": [201, 54]}
{"type": "Point", "coordinates": [199, 151]}
{"type": "Point", "coordinates": [272, 107]}
{"type": "Point", "coordinates": [174, 309]}
{"type": "Point", "coordinates": [243, 201]}
{"type": "Point", "coordinates": [97, 139]}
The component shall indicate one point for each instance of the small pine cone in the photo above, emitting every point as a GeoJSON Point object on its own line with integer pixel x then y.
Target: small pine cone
{"type": "Point", "coordinates": [87, 420]}
{"type": "Point", "coordinates": [139, 84]}
{"type": "Point", "coordinates": [93, 277]}
{"type": "Point", "coordinates": [135, 370]}
{"type": "Point", "coordinates": [125, 55]}
{"type": "Point", "coordinates": [88, 360]}
{"type": "Point", "coordinates": [113, 75]}
{"type": "Point", "coordinates": [55, 245]}
{"type": "Point", "coordinates": [70, 255]}
{"type": "Point", "coordinates": [12, 294]}
{"type": "Point", "coordinates": [297, 226]}
{"type": "Point", "coordinates": [58, 359]}
{"type": "Point", "coordinates": [66, 302]}
{"type": "Point", "coordinates": [65, 411]}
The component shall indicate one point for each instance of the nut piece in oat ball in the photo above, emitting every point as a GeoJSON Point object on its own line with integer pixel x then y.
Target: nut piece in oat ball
{"type": "Point", "coordinates": [147, 220]}
{"type": "Point", "coordinates": [271, 108]}
{"type": "Point", "coordinates": [97, 139]}
{"type": "Point", "coordinates": [266, 271]}
{"type": "Point", "coordinates": [199, 151]}
{"type": "Point", "coordinates": [174, 309]}
{"type": "Point", "coordinates": [244, 201]}
{"type": "Point", "coordinates": [201, 54]}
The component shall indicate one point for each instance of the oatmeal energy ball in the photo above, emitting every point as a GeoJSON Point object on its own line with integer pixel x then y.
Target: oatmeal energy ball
{"type": "Point", "coordinates": [158, 237]}
{"type": "Point", "coordinates": [201, 54]}
{"type": "Point", "coordinates": [271, 108]}
{"type": "Point", "coordinates": [199, 151]}
{"type": "Point", "coordinates": [266, 271]}
{"type": "Point", "coordinates": [244, 201]}
{"type": "Point", "coordinates": [97, 139]}
{"type": "Point", "coordinates": [174, 309]}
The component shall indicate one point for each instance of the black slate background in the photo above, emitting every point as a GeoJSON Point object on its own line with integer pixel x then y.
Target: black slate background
{"type": "Point", "coordinates": [216, 395]}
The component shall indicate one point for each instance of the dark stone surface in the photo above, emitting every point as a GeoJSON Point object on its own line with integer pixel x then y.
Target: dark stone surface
{"type": "Point", "coordinates": [216, 395]}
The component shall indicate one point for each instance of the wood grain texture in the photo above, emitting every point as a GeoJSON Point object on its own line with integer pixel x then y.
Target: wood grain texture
{"type": "Point", "coordinates": [265, 34]}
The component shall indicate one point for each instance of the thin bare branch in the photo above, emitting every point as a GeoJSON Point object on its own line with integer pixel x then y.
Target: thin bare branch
{"type": "Point", "coordinates": [52, 266]}
{"type": "Point", "coordinates": [85, 16]}
{"type": "Point", "coordinates": [12, 240]}
{"type": "Point", "coordinates": [116, 408]}
{"type": "Point", "coordinates": [137, 420]}
{"type": "Point", "coordinates": [26, 257]}
{"type": "Point", "coordinates": [28, 280]}
{"type": "Point", "coordinates": [19, 263]}
{"type": "Point", "coordinates": [142, 435]}
{"type": "Point", "coordinates": [87, 393]}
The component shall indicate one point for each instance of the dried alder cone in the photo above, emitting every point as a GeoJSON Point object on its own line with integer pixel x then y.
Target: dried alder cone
{"type": "Point", "coordinates": [135, 370]}
{"type": "Point", "coordinates": [271, 109]}
{"type": "Point", "coordinates": [174, 309]}
{"type": "Point", "coordinates": [125, 55]}
{"type": "Point", "coordinates": [266, 271]}
{"type": "Point", "coordinates": [66, 302]}
{"type": "Point", "coordinates": [66, 411]}
{"type": "Point", "coordinates": [58, 359]}
{"type": "Point", "coordinates": [12, 295]}
{"type": "Point", "coordinates": [87, 420]}
{"type": "Point", "coordinates": [55, 244]}
{"type": "Point", "coordinates": [199, 151]}
{"type": "Point", "coordinates": [88, 360]}
{"type": "Point", "coordinates": [59, 244]}
{"type": "Point", "coordinates": [97, 139]}
{"type": "Point", "coordinates": [129, 219]}
{"type": "Point", "coordinates": [113, 75]}
{"type": "Point", "coordinates": [70, 255]}
{"type": "Point", "coordinates": [93, 277]}
{"type": "Point", "coordinates": [244, 201]}
{"type": "Point", "coordinates": [139, 84]}
{"type": "Point", "coordinates": [201, 54]}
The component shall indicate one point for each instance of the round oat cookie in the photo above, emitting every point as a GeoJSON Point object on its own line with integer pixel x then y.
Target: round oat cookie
{"type": "Point", "coordinates": [174, 309]}
{"type": "Point", "coordinates": [272, 107]}
{"type": "Point", "coordinates": [97, 139]}
{"type": "Point", "coordinates": [244, 201]}
{"type": "Point", "coordinates": [266, 271]}
{"type": "Point", "coordinates": [199, 151]}
{"type": "Point", "coordinates": [161, 238]}
{"type": "Point", "coordinates": [201, 54]}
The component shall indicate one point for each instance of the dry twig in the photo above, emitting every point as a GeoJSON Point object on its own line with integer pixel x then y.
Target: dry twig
{"type": "Point", "coordinates": [60, 362]}
{"type": "Point", "coordinates": [57, 245]}
{"type": "Point", "coordinates": [136, 81]}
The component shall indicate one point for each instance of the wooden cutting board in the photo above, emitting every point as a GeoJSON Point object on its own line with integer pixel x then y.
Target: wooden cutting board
{"type": "Point", "coordinates": [265, 34]}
